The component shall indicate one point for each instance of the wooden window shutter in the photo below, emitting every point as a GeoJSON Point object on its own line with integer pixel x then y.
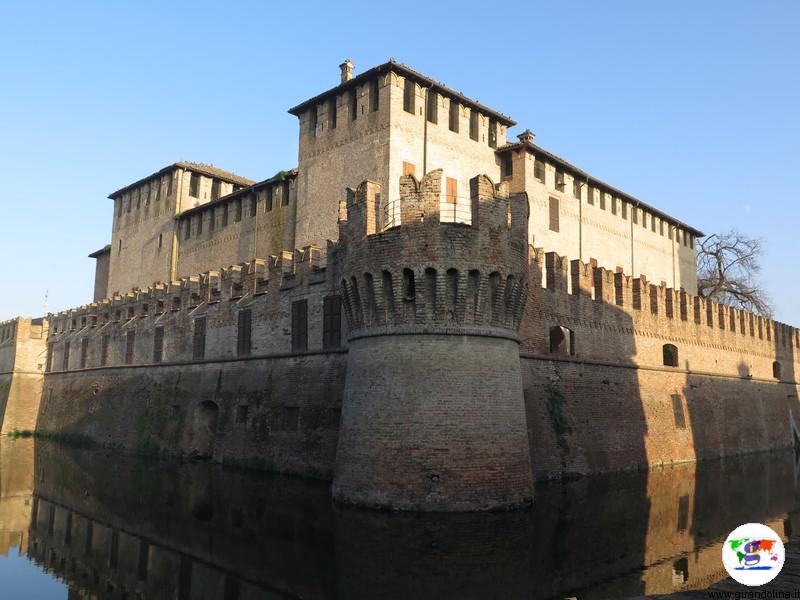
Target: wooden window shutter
{"type": "Point", "coordinates": [554, 214]}
{"type": "Point", "coordinates": [452, 190]}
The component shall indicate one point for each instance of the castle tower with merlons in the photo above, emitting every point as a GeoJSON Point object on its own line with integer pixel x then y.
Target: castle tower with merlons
{"type": "Point", "coordinates": [433, 415]}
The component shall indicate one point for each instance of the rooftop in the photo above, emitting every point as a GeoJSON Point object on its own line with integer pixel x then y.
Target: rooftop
{"type": "Point", "coordinates": [538, 150]}
{"type": "Point", "coordinates": [405, 71]}
{"type": "Point", "coordinates": [202, 168]}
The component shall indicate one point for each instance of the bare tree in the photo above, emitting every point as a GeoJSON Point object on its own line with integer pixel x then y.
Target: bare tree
{"type": "Point", "coordinates": [727, 271]}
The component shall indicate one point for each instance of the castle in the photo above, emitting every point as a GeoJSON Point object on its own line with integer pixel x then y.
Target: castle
{"type": "Point", "coordinates": [474, 356]}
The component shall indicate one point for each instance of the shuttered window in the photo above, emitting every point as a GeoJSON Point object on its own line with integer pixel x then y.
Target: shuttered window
{"type": "Point", "coordinates": [194, 185]}
{"type": "Point", "coordinates": [453, 116]}
{"type": "Point", "coordinates": [332, 322]}
{"type": "Point", "coordinates": [300, 326]}
{"type": "Point", "coordinates": [199, 340]}
{"type": "Point", "coordinates": [244, 330]}
{"type": "Point", "coordinates": [538, 169]}
{"type": "Point", "coordinates": [433, 107]}
{"type": "Point", "coordinates": [452, 190]}
{"type": "Point", "coordinates": [473, 124]}
{"type": "Point", "coordinates": [409, 96]}
{"type": "Point", "coordinates": [158, 344]}
{"type": "Point", "coordinates": [492, 133]}
{"type": "Point", "coordinates": [554, 214]}
{"type": "Point", "coordinates": [130, 342]}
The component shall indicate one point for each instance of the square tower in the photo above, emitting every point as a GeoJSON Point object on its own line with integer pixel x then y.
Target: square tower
{"type": "Point", "coordinates": [388, 122]}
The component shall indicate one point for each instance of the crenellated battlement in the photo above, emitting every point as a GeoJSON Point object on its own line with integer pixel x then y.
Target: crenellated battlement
{"type": "Point", "coordinates": [419, 271]}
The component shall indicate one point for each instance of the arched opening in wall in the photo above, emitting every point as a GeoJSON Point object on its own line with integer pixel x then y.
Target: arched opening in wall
{"type": "Point", "coordinates": [776, 370]}
{"type": "Point", "coordinates": [509, 298]}
{"type": "Point", "coordinates": [204, 429]}
{"type": "Point", "coordinates": [562, 341]}
{"type": "Point", "coordinates": [473, 293]}
{"type": "Point", "coordinates": [371, 308]}
{"type": "Point", "coordinates": [409, 286]}
{"type": "Point", "coordinates": [670, 355]}
{"type": "Point", "coordinates": [358, 314]}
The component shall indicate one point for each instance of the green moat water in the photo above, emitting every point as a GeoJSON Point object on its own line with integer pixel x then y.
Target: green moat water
{"type": "Point", "coordinates": [90, 524]}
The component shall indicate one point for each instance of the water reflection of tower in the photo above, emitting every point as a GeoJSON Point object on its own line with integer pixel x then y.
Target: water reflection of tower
{"type": "Point", "coordinates": [16, 491]}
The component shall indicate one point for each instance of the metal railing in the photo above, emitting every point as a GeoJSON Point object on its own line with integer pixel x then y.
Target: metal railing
{"type": "Point", "coordinates": [459, 211]}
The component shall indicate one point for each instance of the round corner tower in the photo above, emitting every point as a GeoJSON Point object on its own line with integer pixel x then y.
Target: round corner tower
{"type": "Point", "coordinates": [433, 415]}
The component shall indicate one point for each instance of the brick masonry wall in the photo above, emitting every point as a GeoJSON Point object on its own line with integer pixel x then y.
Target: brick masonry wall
{"type": "Point", "coordinates": [22, 363]}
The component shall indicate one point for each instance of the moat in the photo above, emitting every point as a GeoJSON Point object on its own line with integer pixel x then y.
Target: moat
{"type": "Point", "coordinates": [80, 523]}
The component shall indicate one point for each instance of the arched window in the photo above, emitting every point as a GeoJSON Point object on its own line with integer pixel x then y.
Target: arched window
{"type": "Point", "coordinates": [562, 341]}
{"type": "Point", "coordinates": [670, 355]}
{"type": "Point", "coordinates": [409, 287]}
{"type": "Point", "coordinates": [776, 370]}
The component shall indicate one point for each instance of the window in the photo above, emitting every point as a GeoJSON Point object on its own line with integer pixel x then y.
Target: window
{"type": "Point", "coordinates": [160, 240]}
{"type": "Point", "coordinates": [432, 112]}
{"type": "Point", "coordinates": [374, 94]}
{"type": "Point", "coordinates": [683, 521]}
{"type": "Point", "coordinates": [313, 121]}
{"type": "Point", "coordinates": [199, 339]}
{"type": "Point", "coordinates": [670, 355]}
{"type": "Point", "coordinates": [215, 187]}
{"type": "Point", "coordinates": [492, 133]}
{"type": "Point", "coordinates": [353, 104]}
{"type": "Point", "coordinates": [452, 190]}
{"type": "Point", "coordinates": [473, 124]}
{"type": "Point", "coordinates": [243, 344]}
{"type": "Point", "coordinates": [237, 215]}
{"type": "Point", "coordinates": [576, 188]}
{"type": "Point", "coordinates": [538, 169]}
{"type": "Point", "coordinates": [240, 418]}
{"type": "Point", "coordinates": [200, 224]}
{"type": "Point", "coordinates": [560, 180]}
{"type": "Point", "coordinates": [300, 326]}
{"type": "Point", "coordinates": [409, 285]}
{"type": "Point", "coordinates": [130, 342]}
{"type": "Point", "coordinates": [104, 350]}
{"type": "Point", "coordinates": [269, 193]}
{"type": "Point", "coordinates": [562, 341]}
{"type": "Point", "coordinates": [194, 185]}
{"type": "Point", "coordinates": [225, 215]}
{"type": "Point", "coordinates": [554, 214]}
{"type": "Point", "coordinates": [158, 344]}
{"type": "Point", "coordinates": [331, 322]}
{"type": "Point", "coordinates": [677, 411]}
{"type": "Point", "coordinates": [776, 370]}
{"type": "Point", "coordinates": [285, 194]}
{"type": "Point", "coordinates": [409, 96]}
{"type": "Point", "coordinates": [453, 116]}
{"type": "Point", "coordinates": [84, 351]}
{"type": "Point", "coordinates": [507, 165]}
{"type": "Point", "coordinates": [65, 361]}
{"type": "Point", "coordinates": [332, 113]}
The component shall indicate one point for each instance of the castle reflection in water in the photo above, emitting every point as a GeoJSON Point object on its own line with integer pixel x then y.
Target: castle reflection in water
{"type": "Point", "coordinates": [112, 526]}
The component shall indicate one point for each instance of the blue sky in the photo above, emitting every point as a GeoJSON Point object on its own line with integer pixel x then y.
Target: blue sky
{"type": "Point", "coordinates": [691, 106]}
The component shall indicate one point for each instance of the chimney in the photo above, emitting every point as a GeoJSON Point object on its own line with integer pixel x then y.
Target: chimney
{"type": "Point", "coordinates": [347, 70]}
{"type": "Point", "coordinates": [526, 137]}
